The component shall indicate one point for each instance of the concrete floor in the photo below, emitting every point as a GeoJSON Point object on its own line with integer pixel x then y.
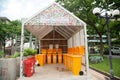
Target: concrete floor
{"type": "Point", "coordinates": [54, 72]}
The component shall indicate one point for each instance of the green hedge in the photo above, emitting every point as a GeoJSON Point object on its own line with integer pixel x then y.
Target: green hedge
{"type": "Point", "coordinates": [1, 54]}
{"type": "Point", "coordinates": [29, 51]}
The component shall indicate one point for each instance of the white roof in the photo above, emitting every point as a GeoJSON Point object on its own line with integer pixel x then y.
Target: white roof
{"type": "Point", "coordinates": [54, 17]}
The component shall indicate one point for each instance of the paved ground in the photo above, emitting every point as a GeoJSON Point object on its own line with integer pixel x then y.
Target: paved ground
{"type": "Point", "coordinates": [98, 76]}
{"type": "Point", "coordinates": [59, 72]}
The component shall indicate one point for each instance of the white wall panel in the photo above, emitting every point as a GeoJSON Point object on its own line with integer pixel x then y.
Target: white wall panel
{"type": "Point", "coordinates": [77, 39]}
{"type": "Point", "coordinates": [69, 42]}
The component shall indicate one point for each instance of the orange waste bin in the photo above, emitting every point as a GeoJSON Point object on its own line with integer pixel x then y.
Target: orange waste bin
{"type": "Point", "coordinates": [44, 51]}
{"type": "Point", "coordinates": [67, 60]}
{"type": "Point", "coordinates": [76, 64]}
{"type": "Point", "coordinates": [49, 58]}
{"type": "Point", "coordinates": [44, 58]}
{"type": "Point", "coordinates": [40, 58]}
{"type": "Point", "coordinates": [54, 51]}
{"type": "Point", "coordinates": [59, 51]}
{"type": "Point", "coordinates": [60, 58]}
{"type": "Point", "coordinates": [70, 62]}
{"type": "Point", "coordinates": [64, 59]}
{"type": "Point", "coordinates": [81, 50]}
{"type": "Point", "coordinates": [54, 58]}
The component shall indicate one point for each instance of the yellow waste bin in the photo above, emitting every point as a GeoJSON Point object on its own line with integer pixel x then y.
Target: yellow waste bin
{"type": "Point", "coordinates": [44, 51]}
{"type": "Point", "coordinates": [70, 62]}
{"type": "Point", "coordinates": [60, 58]}
{"type": "Point", "coordinates": [64, 59]}
{"type": "Point", "coordinates": [54, 58]}
{"type": "Point", "coordinates": [44, 58]}
{"type": "Point", "coordinates": [67, 60]}
{"type": "Point", "coordinates": [76, 64]}
{"type": "Point", "coordinates": [40, 59]}
{"type": "Point", "coordinates": [49, 58]}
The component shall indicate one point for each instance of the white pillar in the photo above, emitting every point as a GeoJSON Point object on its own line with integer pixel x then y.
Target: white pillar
{"type": "Point", "coordinates": [36, 43]}
{"type": "Point", "coordinates": [72, 41]}
{"type": "Point", "coordinates": [21, 51]}
{"type": "Point", "coordinates": [39, 47]}
{"type": "Point", "coordinates": [86, 52]}
{"type": "Point", "coordinates": [30, 41]}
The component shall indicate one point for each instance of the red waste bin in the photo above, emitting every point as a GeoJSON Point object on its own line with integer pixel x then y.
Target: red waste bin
{"type": "Point", "coordinates": [29, 67]}
{"type": "Point", "coordinates": [33, 60]}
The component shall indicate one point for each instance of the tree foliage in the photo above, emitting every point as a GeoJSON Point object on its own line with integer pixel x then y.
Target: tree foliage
{"type": "Point", "coordinates": [83, 9]}
{"type": "Point", "coordinates": [9, 30]}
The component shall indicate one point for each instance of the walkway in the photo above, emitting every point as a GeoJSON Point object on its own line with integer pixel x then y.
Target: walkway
{"type": "Point", "coordinates": [59, 72]}
{"type": "Point", "coordinates": [98, 76]}
{"type": "Point", "coordinates": [53, 72]}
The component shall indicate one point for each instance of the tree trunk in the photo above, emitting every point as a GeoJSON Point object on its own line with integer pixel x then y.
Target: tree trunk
{"type": "Point", "coordinates": [101, 44]}
{"type": "Point", "coordinates": [0, 46]}
{"type": "Point", "coordinates": [4, 46]}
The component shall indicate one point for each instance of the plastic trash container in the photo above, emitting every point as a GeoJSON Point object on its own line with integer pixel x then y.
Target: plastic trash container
{"type": "Point", "coordinates": [54, 58]}
{"type": "Point", "coordinates": [28, 67]}
{"type": "Point", "coordinates": [49, 58]}
{"type": "Point", "coordinates": [44, 51]}
{"type": "Point", "coordinates": [40, 59]}
{"type": "Point", "coordinates": [44, 58]}
{"type": "Point", "coordinates": [33, 59]}
{"type": "Point", "coordinates": [60, 58]}
{"type": "Point", "coordinates": [81, 50]}
{"type": "Point", "coordinates": [67, 61]}
{"type": "Point", "coordinates": [70, 62]}
{"type": "Point", "coordinates": [64, 59]}
{"type": "Point", "coordinates": [76, 64]}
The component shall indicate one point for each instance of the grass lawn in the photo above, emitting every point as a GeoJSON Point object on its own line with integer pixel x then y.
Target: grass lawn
{"type": "Point", "coordinates": [104, 66]}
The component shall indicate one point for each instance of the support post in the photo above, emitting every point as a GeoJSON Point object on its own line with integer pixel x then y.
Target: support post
{"type": "Point", "coordinates": [36, 43]}
{"type": "Point", "coordinates": [39, 47]}
{"type": "Point", "coordinates": [30, 41]}
{"type": "Point", "coordinates": [86, 52]}
{"type": "Point", "coordinates": [21, 51]}
{"type": "Point", "coordinates": [109, 44]}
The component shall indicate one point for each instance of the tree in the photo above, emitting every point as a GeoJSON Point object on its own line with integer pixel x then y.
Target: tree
{"type": "Point", "coordinates": [115, 32]}
{"type": "Point", "coordinates": [9, 30]}
{"type": "Point", "coordinates": [4, 32]}
{"type": "Point", "coordinates": [83, 10]}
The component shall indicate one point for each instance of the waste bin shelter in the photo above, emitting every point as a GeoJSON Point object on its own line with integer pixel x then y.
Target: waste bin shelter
{"type": "Point", "coordinates": [54, 25]}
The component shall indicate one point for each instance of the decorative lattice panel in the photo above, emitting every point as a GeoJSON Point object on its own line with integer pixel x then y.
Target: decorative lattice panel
{"type": "Point", "coordinates": [54, 15]}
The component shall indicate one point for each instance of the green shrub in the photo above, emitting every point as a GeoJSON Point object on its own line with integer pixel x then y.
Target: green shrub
{"type": "Point", "coordinates": [35, 51]}
{"type": "Point", "coordinates": [95, 59]}
{"type": "Point", "coordinates": [17, 54]}
{"type": "Point", "coordinates": [106, 51]}
{"type": "Point", "coordinates": [1, 54]}
{"type": "Point", "coordinates": [26, 54]}
{"type": "Point", "coordinates": [29, 51]}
